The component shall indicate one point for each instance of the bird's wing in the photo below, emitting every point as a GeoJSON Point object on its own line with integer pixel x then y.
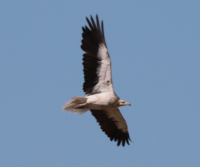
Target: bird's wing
{"type": "Point", "coordinates": [96, 60]}
{"type": "Point", "coordinates": [113, 124]}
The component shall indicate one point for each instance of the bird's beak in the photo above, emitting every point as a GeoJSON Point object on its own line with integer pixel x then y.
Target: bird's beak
{"type": "Point", "coordinates": [128, 103]}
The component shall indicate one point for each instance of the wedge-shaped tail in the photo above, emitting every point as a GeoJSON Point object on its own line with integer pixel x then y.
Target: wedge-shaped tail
{"type": "Point", "coordinates": [71, 105]}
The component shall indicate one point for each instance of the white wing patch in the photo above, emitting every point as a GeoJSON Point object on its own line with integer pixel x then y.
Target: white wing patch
{"type": "Point", "coordinates": [104, 71]}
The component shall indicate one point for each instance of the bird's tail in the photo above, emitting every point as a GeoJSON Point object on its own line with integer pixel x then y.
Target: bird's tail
{"type": "Point", "coordinates": [71, 105]}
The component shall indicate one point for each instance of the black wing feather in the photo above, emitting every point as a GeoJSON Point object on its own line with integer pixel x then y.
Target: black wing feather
{"type": "Point", "coordinates": [92, 38]}
{"type": "Point", "coordinates": [109, 126]}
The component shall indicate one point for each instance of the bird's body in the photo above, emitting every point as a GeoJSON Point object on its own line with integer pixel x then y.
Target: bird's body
{"type": "Point", "coordinates": [101, 99]}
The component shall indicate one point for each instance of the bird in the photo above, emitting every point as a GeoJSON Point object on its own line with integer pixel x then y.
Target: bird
{"type": "Point", "coordinates": [100, 97]}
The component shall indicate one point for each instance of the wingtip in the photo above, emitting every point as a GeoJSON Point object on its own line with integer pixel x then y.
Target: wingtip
{"type": "Point", "coordinates": [87, 18]}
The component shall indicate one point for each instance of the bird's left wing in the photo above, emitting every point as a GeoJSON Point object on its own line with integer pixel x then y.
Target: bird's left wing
{"type": "Point", "coordinates": [96, 60]}
{"type": "Point", "coordinates": [113, 124]}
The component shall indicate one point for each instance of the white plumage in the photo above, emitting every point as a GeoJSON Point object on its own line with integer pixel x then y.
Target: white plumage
{"type": "Point", "coordinates": [101, 99]}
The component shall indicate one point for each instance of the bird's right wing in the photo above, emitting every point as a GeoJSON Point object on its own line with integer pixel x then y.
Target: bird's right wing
{"type": "Point", "coordinates": [96, 60]}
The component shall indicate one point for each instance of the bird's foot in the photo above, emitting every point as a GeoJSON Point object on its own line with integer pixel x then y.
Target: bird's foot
{"type": "Point", "coordinates": [81, 105]}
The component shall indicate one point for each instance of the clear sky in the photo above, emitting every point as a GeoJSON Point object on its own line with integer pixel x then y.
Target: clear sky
{"type": "Point", "coordinates": [155, 53]}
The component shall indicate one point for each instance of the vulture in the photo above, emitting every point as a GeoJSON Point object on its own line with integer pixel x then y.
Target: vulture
{"type": "Point", "coordinates": [100, 97]}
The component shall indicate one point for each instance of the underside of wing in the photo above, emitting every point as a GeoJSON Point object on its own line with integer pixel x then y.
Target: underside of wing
{"type": "Point", "coordinates": [96, 60]}
{"type": "Point", "coordinates": [113, 124]}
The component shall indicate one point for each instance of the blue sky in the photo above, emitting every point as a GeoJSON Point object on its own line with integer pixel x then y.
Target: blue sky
{"type": "Point", "coordinates": [155, 53]}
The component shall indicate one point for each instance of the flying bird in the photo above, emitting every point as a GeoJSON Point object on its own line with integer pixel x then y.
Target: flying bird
{"type": "Point", "coordinates": [100, 97]}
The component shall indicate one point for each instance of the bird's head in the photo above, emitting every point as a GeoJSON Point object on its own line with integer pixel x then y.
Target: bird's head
{"type": "Point", "coordinates": [123, 103]}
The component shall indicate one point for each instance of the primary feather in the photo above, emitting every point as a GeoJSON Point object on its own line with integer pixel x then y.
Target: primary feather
{"type": "Point", "coordinates": [101, 99]}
